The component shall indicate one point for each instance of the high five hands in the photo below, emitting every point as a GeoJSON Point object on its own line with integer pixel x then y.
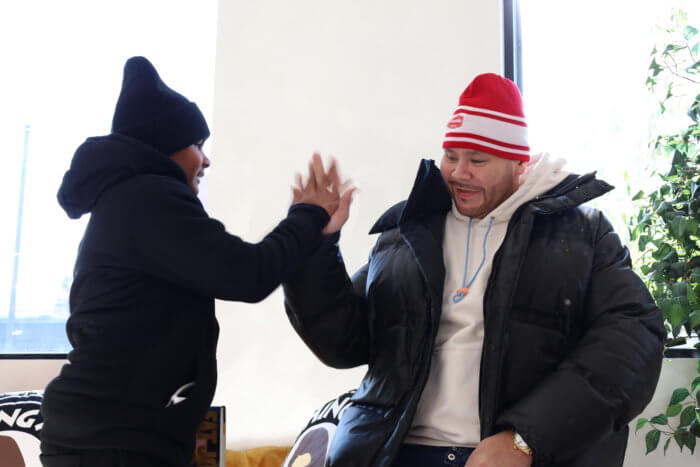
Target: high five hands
{"type": "Point", "coordinates": [325, 189]}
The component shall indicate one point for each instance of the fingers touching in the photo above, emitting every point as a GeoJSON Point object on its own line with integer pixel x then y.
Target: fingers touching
{"type": "Point", "coordinates": [322, 187]}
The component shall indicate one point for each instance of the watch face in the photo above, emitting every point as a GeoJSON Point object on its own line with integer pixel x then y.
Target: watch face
{"type": "Point", "coordinates": [521, 445]}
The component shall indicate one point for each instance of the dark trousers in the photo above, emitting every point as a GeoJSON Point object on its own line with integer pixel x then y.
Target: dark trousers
{"type": "Point", "coordinates": [414, 455]}
{"type": "Point", "coordinates": [59, 457]}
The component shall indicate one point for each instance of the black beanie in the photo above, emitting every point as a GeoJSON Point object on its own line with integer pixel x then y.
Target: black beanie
{"type": "Point", "coordinates": [151, 112]}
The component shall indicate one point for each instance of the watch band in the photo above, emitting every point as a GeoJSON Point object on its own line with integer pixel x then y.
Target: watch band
{"type": "Point", "coordinates": [520, 444]}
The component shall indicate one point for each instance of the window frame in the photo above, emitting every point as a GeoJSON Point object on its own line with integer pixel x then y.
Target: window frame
{"type": "Point", "coordinates": [33, 356]}
{"type": "Point", "coordinates": [512, 43]}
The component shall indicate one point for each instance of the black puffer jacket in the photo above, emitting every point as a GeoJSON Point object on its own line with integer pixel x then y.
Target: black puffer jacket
{"type": "Point", "coordinates": [573, 341]}
{"type": "Point", "coordinates": [142, 321]}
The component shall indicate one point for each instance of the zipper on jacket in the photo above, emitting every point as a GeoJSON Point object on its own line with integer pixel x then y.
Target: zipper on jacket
{"type": "Point", "coordinates": [424, 368]}
{"type": "Point", "coordinates": [493, 395]}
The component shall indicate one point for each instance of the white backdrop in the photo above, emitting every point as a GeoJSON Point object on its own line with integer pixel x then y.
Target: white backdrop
{"type": "Point", "coordinates": [372, 83]}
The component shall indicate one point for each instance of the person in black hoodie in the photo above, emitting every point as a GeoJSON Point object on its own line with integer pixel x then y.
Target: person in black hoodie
{"type": "Point", "coordinates": [142, 371]}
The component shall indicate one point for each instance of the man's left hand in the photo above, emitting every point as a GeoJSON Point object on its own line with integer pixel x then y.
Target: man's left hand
{"type": "Point", "coordinates": [498, 451]}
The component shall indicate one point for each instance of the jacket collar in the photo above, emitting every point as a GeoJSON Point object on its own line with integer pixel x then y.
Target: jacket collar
{"type": "Point", "coordinates": [429, 195]}
{"type": "Point", "coordinates": [573, 191]}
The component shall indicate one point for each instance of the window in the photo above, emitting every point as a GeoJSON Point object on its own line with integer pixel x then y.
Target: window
{"type": "Point", "coordinates": [584, 68]}
{"type": "Point", "coordinates": [61, 77]}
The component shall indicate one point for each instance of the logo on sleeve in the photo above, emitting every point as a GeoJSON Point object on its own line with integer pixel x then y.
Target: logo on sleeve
{"type": "Point", "coordinates": [182, 393]}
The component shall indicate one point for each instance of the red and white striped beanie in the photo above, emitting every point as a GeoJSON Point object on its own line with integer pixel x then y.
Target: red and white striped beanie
{"type": "Point", "coordinates": [490, 119]}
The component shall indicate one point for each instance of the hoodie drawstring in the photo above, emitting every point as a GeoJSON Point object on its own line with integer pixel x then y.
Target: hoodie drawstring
{"type": "Point", "coordinates": [464, 290]}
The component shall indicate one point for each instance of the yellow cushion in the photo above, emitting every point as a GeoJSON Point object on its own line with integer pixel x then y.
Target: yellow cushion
{"type": "Point", "coordinates": [265, 456]}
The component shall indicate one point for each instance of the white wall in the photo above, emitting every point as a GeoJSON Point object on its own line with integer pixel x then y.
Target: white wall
{"type": "Point", "coordinates": [371, 82]}
{"type": "Point", "coordinates": [27, 375]}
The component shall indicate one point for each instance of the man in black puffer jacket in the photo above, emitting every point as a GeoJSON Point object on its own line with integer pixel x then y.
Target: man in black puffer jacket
{"type": "Point", "coordinates": [142, 372]}
{"type": "Point", "coordinates": [500, 319]}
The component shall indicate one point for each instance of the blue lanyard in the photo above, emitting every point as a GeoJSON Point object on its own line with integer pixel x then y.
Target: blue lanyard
{"type": "Point", "coordinates": [464, 290]}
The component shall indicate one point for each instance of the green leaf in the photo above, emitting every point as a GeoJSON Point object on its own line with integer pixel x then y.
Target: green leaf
{"type": "Point", "coordinates": [673, 410]}
{"type": "Point", "coordinates": [689, 32]}
{"type": "Point", "coordinates": [664, 249]}
{"type": "Point", "coordinates": [660, 419]}
{"type": "Point", "coordinates": [679, 159]}
{"type": "Point", "coordinates": [639, 195]}
{"type": "Point", "coordinates": [680, 288]}
{"type": "Point", "coordinates": [679, 395]}
{"type": "Point", "coordinates": [695, 275]}
{"type": "Point", "coordinates": [695, 428]}
{"type": "Point", "coordinates": [690, 441]}
{"type": "Point", "coordinates": [671, 48]}
{"type": "Point", "coordinates": [676, 270]}
{"type": "Point", "coordinates": [668, 441]}
{"type": "Point", "coordinates": [644, 241]}
{"type": "Point", "coordinates": [665, 305]}
{"type": "Point", "coordinates": [655, 68]}
{"type": "Point", "coordinates": [640, 423]}
{"type": "Point", "coordinates": [678, 436]}
{"type": "Point", "coordinates": [678, 226]}
{"type": "Point", "coordinates": [694, 68]}
{"type": "Point", "coordinates": [694, 320]}
{"type": "Point", "coordinates": [684, 438]}
{"type": "Point", "coordinates": [687, 416]}
{"type": "Point", "coordinates": [652, 440]}
{"type": "Point", "coordinates": [692, 298]}
{"type": "Point", "coordinates": [677, 316]}
{"type": "Point", "coordinates": [693, 386]}
{"type": "Point", "coordinates": [692, 226]}
{"type": "Point", "coordinates": [694, 111]}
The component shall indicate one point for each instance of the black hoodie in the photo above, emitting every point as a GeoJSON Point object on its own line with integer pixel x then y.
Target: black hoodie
{"type": "Point", "coordinates": [142, 322]}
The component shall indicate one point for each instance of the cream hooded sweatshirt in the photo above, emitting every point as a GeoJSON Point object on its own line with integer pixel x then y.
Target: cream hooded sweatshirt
{"type": "Point", "coordinates": [448, 411]}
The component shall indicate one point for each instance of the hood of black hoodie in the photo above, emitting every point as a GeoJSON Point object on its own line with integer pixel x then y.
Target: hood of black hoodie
{"type": "Point", "coordinates": [101, 162]}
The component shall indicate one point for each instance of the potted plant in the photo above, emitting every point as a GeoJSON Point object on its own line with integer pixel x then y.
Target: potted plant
{"type": "Point", "coordinates": [666, 229]}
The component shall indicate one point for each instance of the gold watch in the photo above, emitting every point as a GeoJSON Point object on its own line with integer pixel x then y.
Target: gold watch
{"type": "Point", "coordinates": [520, 444]}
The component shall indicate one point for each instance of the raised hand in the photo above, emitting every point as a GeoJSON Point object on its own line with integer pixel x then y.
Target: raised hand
{"type": "Point", "coordinates": [324, 188]}
{"type": "Point", "coordinates": [340, 216]}
{"type": "Point", "coordinates": [321, 187]}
